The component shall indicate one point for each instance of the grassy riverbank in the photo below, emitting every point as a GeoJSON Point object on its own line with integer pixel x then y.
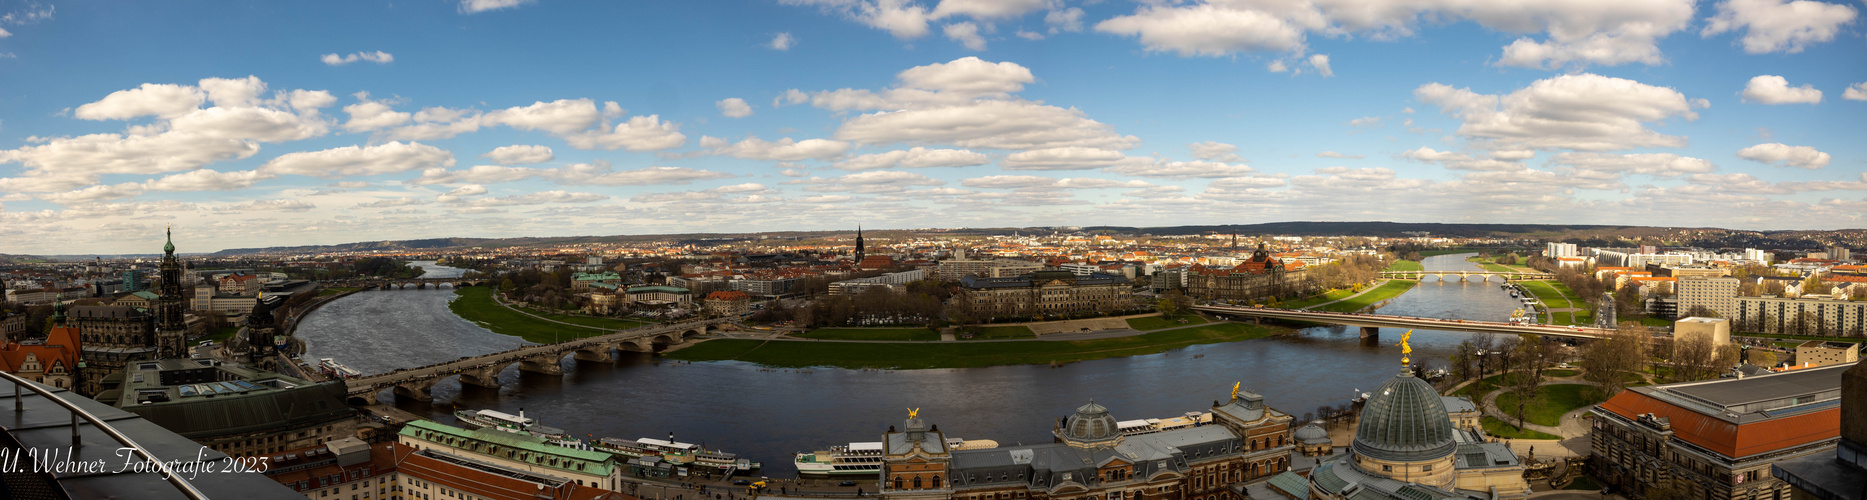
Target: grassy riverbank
{"type": "Point", "coordinates": [1321, 298]}
{"type": "Point", "coordinates": [1147, 323]}
{"type": "Point", "coordinates": [1406, 265]}
{"type": "Point", "coordinates": [792, 354]}
{"type": "Point", "coordinates": [1391, 289]}
{"type": "Point", "coordinates": [908, 334]}
{"type": "Point", "coordinates": [476, 304]}
{"type": "Point", "coordinates": [589, 321]}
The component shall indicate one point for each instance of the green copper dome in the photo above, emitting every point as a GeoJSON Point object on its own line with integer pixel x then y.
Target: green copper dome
{"type": "Point", "coordinates": [1405, 421]}
{"type": "Point", "coordinates": [169, 248]}
{"type": "Point", "coordinates": [1090, 424]}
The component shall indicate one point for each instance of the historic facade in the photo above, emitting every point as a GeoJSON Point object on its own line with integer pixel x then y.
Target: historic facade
{"type": "Point", "coordinates": [1045, 293]}
{"type": "Point", "coordinates": [110, 337]}
{"type": "Point", "coordinates": [171, 328]}
{"type": "Point", "coordinates": [1406, 448]}
{"type": "Point", "coordinates": [1092, 459]}
{"type": "Point", "coordinates": [1716, 439]}
{"type": "Point", "coordinates": [52, 361]}
{"type": "Point", "coordinates": [233, 409]}
{"type": "Point", "coordinates": [1259, 278]}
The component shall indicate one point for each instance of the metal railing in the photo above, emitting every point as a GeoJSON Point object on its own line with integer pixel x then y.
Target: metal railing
{"type": "Point", "coordinates": [19, 406]}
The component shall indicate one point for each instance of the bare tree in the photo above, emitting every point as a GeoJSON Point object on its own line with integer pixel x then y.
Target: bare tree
{"type": "Point", "coordinates": [1530, 353]}
{"type": "Point", "coordinates": [1698, 358]}
{"type": "Point", "coordinates": [1606, 360]}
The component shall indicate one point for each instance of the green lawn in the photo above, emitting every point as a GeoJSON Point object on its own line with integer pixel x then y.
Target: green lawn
{"type": "Point", "coordinates": [1489, 266]}
{"type": "Point", "coordinates": [1498, 428]}
{"type": "Point", "coordinates": [1556, 296]}
{"type": "Point", "coordinates": [963, 354]}
{"type": "Point", "coordinates": [1004, 332]}
{"type": "Point", "coordinates": [1393, 288]}
{"type": "Point", "coordinates": [336, 290]}
{"type": "Point", "coordinates": [475, 304]}
{"type": "Point", "coordinates": [1406, 265]}
{"type": "Point", "coordinates": [1321, 298]}
{"type": "Point", "coordinates": [1477, 390]}
{"type": "Point", "coordinates": [1449, 251]}
{"type": "Point", "coordinates": [1149, 323]}
{"type": "Point", "coordinates": [1553, 401]}
{"type": "Point", "coordinates": [593, 322]}
{"type": "Point", "coordinates": [220, 336]}
{"type": "Point", "coordinates": [907, 334]}
{"type": "Point", "coordinates": [1560, 373]}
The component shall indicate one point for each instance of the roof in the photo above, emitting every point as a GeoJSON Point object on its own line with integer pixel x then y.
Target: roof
{"type": "Point", "coordinates": [244, 400]}
{"type": "Point", "coordinates": [728, 295]}
{"type": "Point", "coordinates": [481, 479]}
{"type": "Point", "coordinates": [1289, 483]}
{"type": "Point", "coordinates": [599, 462]}
{"type": "Point", "coordinates": [1743, 417]}
{"type": "Point", "coordinates": [658, 289]}
{"type": "Point", "coordinates": [1405, 421]}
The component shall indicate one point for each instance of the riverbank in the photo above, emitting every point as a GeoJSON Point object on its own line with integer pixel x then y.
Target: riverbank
{"type": "Point", "coordinates": [476, 304]}
{"type": "Point", "coordinates": [1389, 290]}
{"type": "Point", "coordinates": [923, 355]}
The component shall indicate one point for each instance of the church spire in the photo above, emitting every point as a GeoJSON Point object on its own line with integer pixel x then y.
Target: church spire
{"type": "Point", "coordinates": [169, 248]}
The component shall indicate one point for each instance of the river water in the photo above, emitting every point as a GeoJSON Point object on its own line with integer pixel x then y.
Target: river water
{"type": "Point", "coordinates": [767, 415]}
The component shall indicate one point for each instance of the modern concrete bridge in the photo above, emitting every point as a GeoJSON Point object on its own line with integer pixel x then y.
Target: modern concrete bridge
{"type": "Point", "coordinates": [484, 370]}
{"type": "Point", "coordinates": [1372, 323]}
{"type": "Point", "coordinates": [1466, 275]}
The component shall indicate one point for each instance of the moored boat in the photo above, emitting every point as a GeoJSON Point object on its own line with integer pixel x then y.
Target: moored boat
{"type": "Point", "coordinates": [516, 424]}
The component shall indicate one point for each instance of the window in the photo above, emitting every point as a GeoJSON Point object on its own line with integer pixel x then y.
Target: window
{"type": "Point", "coordinates": [1387, 468]}
{"type": "Point", "coordinates": [1426, 468]}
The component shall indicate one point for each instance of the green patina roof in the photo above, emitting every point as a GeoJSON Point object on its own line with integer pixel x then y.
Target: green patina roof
{"type": "Point", "coordinates": [1291, 483]}
{"type": "Point", "coordinates": [662, 289]}
{"type": "Point", "coordinates": [145, 294]}
{"type": "Point", "coordinates": [596, 276]}
{"type": "Point", "coordinates": [597, 462]}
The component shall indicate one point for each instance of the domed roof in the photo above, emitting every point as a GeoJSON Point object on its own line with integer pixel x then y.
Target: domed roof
{"type": "Point", "coordinates": [1090, 423]}
{"type": "Point", "coordinates": [1405, 421]}
{"type": "Point", "coordinates": [1311, 434]}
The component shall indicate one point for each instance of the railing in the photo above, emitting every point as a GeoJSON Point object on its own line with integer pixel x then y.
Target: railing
{"type": "Point", "coordinates": [19, 406]}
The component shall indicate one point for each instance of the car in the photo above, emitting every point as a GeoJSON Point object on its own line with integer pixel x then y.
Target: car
{"type": "Point", "coordinates": [846, 483]}
{"type": "Point", "coordinates": [742, 482]}
{"type": "Point", "coordinates": [384, 418]}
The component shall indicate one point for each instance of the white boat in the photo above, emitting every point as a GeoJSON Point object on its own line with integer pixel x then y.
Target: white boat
{"type": "Point", "coordinates": [853, 459]}
{"type": "Point", "coordinates": [677, 453]}
{"type": "Point", "coordinates": [516, 424]}
{"type": "Point", "coordinates": [332, 367]}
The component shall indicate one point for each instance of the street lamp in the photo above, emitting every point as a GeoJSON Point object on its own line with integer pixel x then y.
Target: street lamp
{"type": "Point", "coordinates": [1481, 364]}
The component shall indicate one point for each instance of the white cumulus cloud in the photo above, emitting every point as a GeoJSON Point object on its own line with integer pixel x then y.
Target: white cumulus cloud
{"type": "Point", "coordinates": [1772, 89]}
{"type": "Point", "coordinates": [378, 57]}
{"type": "Point", "coordinates": [1793, 156]}
{"type": "Point", "coordinates": [914, 158]}
{"type": "Point", "coordinates": [782, 41]}
{"type": "Point", "coordinates": [1584, 112]}
{"type": "Point", "coordinates": [352, 161]}
{"type": "Point", "coordinates": [519, 154]}
{"type": "Point", "coordinates": [1779, 25]}
{"type": "Point", "coordinates": [734, 107]}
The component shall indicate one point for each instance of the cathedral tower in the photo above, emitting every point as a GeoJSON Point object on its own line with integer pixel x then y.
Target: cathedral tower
{"type": "Point", "coordinates": [171, 328]}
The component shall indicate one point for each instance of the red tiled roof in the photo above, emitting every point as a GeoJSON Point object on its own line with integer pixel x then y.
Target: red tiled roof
{"type": "Point", "coordinates": [727, 295]}
{"type": "Point", "coordinates": [1729, 439]}
{"type": "Point", "coordinates": [482, 484]}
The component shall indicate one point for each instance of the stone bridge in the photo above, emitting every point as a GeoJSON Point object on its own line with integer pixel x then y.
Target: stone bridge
{"type": "Point", "coordinates": [1466, 275]}
{"type": "Point", "coordinates": [404, 283]}
{"type": "Point", "coordinates": [484, 370]}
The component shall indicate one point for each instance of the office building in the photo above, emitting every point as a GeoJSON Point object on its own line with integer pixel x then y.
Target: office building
{"type": "Point", "coordinates": [1827, 316]}
{"type": "Point", "coordinates": [1045, 293]}
{"type": "Point", "coordinates": [1718, 295]}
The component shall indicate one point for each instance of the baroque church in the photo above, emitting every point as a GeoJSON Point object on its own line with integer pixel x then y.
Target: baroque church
{"type": "Point", "coordinates": [114, 336]}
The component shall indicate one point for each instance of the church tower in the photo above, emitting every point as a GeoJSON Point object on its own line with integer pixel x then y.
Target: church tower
{"type": "Point", "coordinates": [259, 331]}
{"type": "Point", "coordinates": [859, 249]}
{"type": "Point", "coordinates": [171, 328]}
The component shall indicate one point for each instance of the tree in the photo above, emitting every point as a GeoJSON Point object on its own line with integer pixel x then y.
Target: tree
{"type": "Point", "coordinates": [1700, 311]}
{"type": "Point", "coordinates": [1532, 353]}
{"type": "Point", "coordinates": [1698, 358]}
{"type": "Point", "coordinates": [1464, 360]}
{"type": "Point", "coordinates": [1606, 359]}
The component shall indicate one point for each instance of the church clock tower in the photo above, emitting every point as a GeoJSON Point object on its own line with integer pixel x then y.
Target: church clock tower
{"type": "Point", "coordinates": [171, 328]}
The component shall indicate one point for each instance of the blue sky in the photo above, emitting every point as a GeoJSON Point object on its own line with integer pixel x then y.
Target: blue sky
{"type": "Point", "coordinates": [282, 123]}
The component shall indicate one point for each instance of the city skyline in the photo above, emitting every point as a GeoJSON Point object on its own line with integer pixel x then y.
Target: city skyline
{"type": "Point", "coordinates": [287, 124]}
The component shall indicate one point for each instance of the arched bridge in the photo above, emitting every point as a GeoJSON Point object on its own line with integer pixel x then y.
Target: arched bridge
{"type": "Point", "coordinates": [1372, 323]}
{"type": "Point", "coordinates": [404, 283]}
{"type": "Point", "coordinates": [484, 370]}
{"type": "Point", "coordinates": [1466, 275]}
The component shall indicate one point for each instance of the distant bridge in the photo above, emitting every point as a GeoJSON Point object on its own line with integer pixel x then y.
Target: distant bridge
{"type": "Point", "coordinates": [1466, 275]}
{"type": "Point", "coordinates": [1372, 323]}
{"type": "Point", "coordinates": [484, 370]}
{"type": "Point", "coordinates": [403, 283]}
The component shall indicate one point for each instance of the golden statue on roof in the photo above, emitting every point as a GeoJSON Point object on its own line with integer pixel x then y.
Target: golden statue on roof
{"type": "Point", "coordinates": [1235, 390]}
{"type": "Point", "coordinates": [914, 413]}
{"type": "Point", "coordinates": [1405, 349]}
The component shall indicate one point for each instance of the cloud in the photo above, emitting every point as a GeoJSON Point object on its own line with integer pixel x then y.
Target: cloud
{"type": "Point", "coordinates": [151, 99]}
{"type": "Point", "coordinates": [352, 161]}
{"type": "Point", "coordinates": [639, 133]}
{"type": "Point", "coordinates": [782, 41]}
{"type": "Point", "coordinates": [734, 107]}
{"type": "Point", "coordinates": [538, 198]}
{"type": "Point", "coordinates": [1577, 33]}
{"type": "Point", "coordinates": [561, 117]}
{"type": "Point", "coordinates": [207, 180]}
{"type": "Point", "coordinates": [368, 115]}
{"type": "Point", "coordinates": [1063, 158]}
{"type": "Point", "coordinates": [519, 155]}
{"type": "Point", "coordinates": [600, 174]}
{"type": "Point", "coordinates": [786, 149]}
{"type": "Point", "coordinates": [989, 124]}
{"type": "Point", "coordinates": [1215, 151]}
{"type": "Point", "coordinates": [1584, 112]}
{"type": "Point", "coordinates": [914, 158]}
{"type": "Point", "coordinates": [94, 193]}
{"type": "Point", "coordinates": [461, 192]}
{"type": "Point", "coordinates": [1666, 165]}
{"type": "Point", "coordinates": [1460, 161]}
{"type": "Point", "coordinates": [476, 6]}
{"type": "Point", "coordinates": [874, 181]}
{"type": "Point", "coordinates": [751, 189]}
{"type": "Point", "coordinates": [1070, 19]}
{"type": "Point", "coordinates": [966, 33]}
{"type": "Point", "coordinates": [1777, 25]}
{"type": "Point", "coordinates": [1772, 89]}
{"type": "Point", "coordinates": [900, 18]}
{"type": "Point", "coordinates": [393, 202]}
{"type": "Point", "coordinates": [1855, 92]}
{"type": "Point", "coordinates": [1791, 156]}
{"type": "Point", "coordinates": [1321, 63]}
{"type": "Point", "coordinates": [968, 76]}
{"type": "Point", "coordinates": [269, 205]}
{"type": "Point", "coordinates": [1332, 154]}
{"type": "Point", "coordinates": [1365, 122]}
{"type": "Point", "coordinates": [378, 57]}
{"type": "Point", "coordinates": [1149, 167]}
{"type": "Point", "coordinates": [478, 174]}
{"type": "Point", "coordinates": [1036, 182]}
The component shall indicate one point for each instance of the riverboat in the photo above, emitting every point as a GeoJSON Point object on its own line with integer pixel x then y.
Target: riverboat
{"type": "Point", "coordinates": [677, 453]}
{"type": "Point", "coordinates": [332, 367]}
{"type": "Point", "coordinates": [516, 424]}
{"type": "Point", "coordinates": [853, 459]}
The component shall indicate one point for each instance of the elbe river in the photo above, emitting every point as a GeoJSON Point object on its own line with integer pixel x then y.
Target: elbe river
{"type": "Point", "coordinates": [769, 414]}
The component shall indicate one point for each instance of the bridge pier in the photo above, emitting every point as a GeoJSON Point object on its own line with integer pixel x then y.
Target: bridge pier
{"type": "Point", "coordinates": [487, 377]}
{"type": "Point", "coordinates": [598, 354]}
{"type": "Point", "coordinates": [546, 364]}
{"type": "Point", "coordinates": [1370, 332]}
{"type": "Point", "coordinates": [418, 390]}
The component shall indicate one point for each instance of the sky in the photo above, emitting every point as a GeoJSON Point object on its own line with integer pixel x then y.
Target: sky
{"type": "Point", "coordinates": [253, 124]}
